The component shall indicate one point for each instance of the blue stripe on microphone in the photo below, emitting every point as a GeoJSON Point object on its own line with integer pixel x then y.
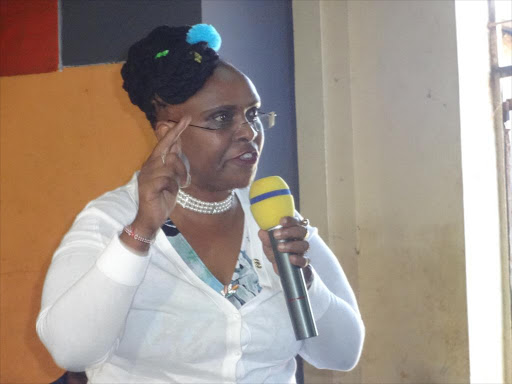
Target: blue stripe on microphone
{"type": "Point", "coordinates": [267, 195]}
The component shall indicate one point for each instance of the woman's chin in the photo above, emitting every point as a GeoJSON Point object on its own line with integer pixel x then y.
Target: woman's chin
{"type": "Point", "coordinates": [250, 178]}
{"type": "Point", "coordinates": [243, 181]}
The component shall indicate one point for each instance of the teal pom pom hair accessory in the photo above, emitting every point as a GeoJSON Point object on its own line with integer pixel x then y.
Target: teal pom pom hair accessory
{"type": "Point", "coordinates": [206, 33]}
{"type": "Point", "coordinates": [196, 34]}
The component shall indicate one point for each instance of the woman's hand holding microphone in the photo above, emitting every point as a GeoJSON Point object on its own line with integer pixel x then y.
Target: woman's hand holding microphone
{"type": "Point", "coordinates": [160, 178]}
{"type": "Point", "coordinates": [295, 233]}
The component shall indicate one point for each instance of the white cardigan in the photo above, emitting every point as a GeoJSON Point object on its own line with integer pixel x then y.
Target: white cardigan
{"type": "Point", "coordinates": [124, 318]}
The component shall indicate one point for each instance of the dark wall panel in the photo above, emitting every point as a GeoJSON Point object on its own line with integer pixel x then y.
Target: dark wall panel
{"type": "Point", "coordinates": [28, 37]}
{"type": "Point", "coordinates": [258, 39]}
{"type": "Point", "coordinates": [101, 31]}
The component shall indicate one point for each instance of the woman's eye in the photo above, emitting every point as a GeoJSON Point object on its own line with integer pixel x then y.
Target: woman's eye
{"type": "Point", "coordinates": [221, 118]}
{"type": "Point", "coordinates": [253, 114]}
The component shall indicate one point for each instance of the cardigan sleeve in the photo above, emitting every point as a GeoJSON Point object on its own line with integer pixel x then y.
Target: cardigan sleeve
{"type": "Point", "coordinates": [341, 330]}
{"type": "Point", "coordinates": [88, 292]}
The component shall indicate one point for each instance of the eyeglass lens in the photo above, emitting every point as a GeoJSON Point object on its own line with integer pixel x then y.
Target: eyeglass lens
{"type": "Point", "coordinates": [263, 122]}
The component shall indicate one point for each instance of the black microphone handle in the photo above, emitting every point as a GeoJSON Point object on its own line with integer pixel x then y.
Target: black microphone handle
{"type": "Point", "coordinates": [295, 293]}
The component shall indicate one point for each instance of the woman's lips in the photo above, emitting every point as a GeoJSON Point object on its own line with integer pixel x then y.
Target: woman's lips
{"type": "Point", "coordinates": [247, 158]}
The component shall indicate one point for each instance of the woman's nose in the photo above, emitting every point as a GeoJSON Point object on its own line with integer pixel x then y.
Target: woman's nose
{"type": "Point", "coordinates": [246, 131]}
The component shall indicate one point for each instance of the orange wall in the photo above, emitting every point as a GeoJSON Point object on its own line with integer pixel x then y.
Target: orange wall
{"type": "Point", "coordinates": [65, 138]}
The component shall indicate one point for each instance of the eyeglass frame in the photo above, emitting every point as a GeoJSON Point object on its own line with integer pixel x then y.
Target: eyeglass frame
{"type": "Point", "coordinates": [273, 114]}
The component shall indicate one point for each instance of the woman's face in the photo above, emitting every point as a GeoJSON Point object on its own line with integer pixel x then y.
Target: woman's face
{"type": "Point", "coordinates": [227, 158]}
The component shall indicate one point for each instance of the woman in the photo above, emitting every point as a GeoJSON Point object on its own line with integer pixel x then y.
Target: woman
{"type": "Point", "coordinates": [165, 279]}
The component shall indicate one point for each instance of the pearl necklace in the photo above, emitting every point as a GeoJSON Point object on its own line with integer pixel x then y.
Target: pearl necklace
{"type": "Point", "coordinates": [196, 205]}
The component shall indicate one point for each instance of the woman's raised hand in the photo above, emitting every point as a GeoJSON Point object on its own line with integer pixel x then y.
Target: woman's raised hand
{"type": "Point", "coordinates": [160, 179]}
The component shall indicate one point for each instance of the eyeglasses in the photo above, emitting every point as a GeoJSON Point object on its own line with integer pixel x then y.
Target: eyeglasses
{"type": "Point", "coordinates": [259, 123]}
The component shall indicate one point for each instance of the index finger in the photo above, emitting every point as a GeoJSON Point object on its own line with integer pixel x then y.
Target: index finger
{"type": "Point", "coordinates": [264, 237]}
{"type": "Point", "coordinates": [166, 143]}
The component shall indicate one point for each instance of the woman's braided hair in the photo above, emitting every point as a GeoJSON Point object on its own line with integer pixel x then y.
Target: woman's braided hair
{"type": "Point", "coordinates": [173, 76]}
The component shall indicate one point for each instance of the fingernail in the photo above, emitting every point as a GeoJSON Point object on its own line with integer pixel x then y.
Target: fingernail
{"type": "Point", "coordinates": [281, 247]}
{"type": "Point", "coordinates": [278, 233]}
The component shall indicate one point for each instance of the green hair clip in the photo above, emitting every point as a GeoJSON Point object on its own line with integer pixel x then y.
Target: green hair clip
{"type": "Point", "coordinates": [162, 54]}
{"type": "Point", "coordinates": [197, 57]}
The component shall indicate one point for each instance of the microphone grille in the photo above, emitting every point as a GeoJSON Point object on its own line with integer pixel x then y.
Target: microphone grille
{"type": "Point", "coordinates": [270, 201]}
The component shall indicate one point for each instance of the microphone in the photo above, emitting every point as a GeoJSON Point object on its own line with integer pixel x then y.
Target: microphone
{"type": "Point", "coordinates": [271, 200]}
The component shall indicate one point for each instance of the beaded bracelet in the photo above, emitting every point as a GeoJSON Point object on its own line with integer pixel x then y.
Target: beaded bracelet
{"type": "Point", "coordinates": [128, 229]}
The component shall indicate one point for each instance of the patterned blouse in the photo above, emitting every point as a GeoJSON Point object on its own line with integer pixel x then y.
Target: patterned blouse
{"type": "Point", "coordinates": [244, 283]}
